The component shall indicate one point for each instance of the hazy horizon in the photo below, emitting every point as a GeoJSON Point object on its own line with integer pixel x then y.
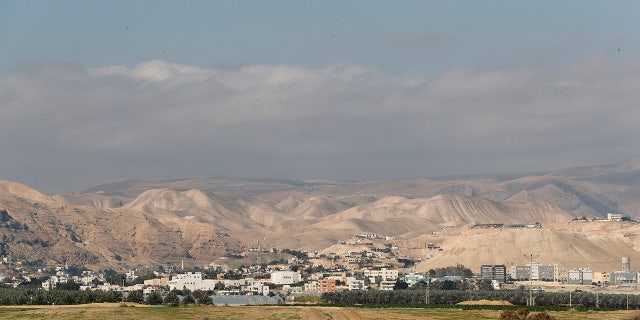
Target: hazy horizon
{"type": "Point", "coordinates": [99, 92]}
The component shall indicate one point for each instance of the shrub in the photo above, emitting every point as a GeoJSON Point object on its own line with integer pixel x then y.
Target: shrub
{"type": "Point", "coordinates": [189, 299]}
{"type": "Point", "coordinates": [205, 299]}
{"type": "Point", "coordinates": [135, 296]}
{"type": "Point", "coordinates": [523, 314]}
{"type": "Point", "coordinates": [153, 298]}
{"type": "Point", "coordinates": [171, 299]}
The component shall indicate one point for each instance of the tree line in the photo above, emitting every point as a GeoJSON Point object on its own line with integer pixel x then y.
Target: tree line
{"type": "Point", "coordinates": [450, 297]}
{"type": "Point", "coordinates": [24, 296]}
{"type": "Point", "coordinates": [31, 296]}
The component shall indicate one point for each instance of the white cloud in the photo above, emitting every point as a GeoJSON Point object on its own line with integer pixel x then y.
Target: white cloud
{"type": "Point", "coordinates": [156, 70]}
{"type": "Point", "coordinates": [344, 121]}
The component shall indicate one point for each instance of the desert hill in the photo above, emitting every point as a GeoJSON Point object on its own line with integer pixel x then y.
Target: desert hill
{"type": "Point", "coordinates": [596, 245]}
{"type": "Point", "coordinates": [570, 245]}
{"type": "Point", "coordinates": [200, 218]}
{"type": "Point", "coordinates": [37, 229]}
{"type": "Point", "coordinates": [409, 217]}
{"type": "Point", "coordinates": [312, 220]}
{"type": "Point", "coordinates": [585, 191]}
{"type": "Point", "coordinates": [18, 190]}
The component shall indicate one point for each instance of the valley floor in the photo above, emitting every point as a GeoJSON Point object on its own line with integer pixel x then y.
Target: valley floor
{"type": "Point", "coordinates": [108, 311]}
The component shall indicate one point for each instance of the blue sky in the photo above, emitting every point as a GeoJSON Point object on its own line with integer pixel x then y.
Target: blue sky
{"type": "Point", "coordinates": [100, 91]}
{"type": "Point", "coordinates": [396, 37]}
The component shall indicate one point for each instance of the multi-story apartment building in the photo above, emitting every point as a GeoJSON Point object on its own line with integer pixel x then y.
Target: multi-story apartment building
{"type": "Point", "coordinates": [494, 272]}
{"type": "Point", "coordinates": [580, 276]}
{"type": "Point", "coordinates": [326, 285]}
{"type": "Point", "coordinates": [384, 273]}
{"type": "Point", "coordinates": [355, 284]}
{"type": "Point", "coordinates": [535, 271]}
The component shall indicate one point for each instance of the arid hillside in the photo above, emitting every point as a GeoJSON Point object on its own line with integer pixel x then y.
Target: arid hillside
{"type": "Point", "coordinates": [586, 191]}
{"type": "Point", "coordinates": [306, 218]}
{"type": "Point", "coordinates": [163, 220]}
{"type": "Point", "coordinates": [37, 229]}
{"type": "Point", "coordinates": [598, 245]}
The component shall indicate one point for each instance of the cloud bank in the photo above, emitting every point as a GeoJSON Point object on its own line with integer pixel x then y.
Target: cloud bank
{"type": "Point", "coordinates": [68, 127]}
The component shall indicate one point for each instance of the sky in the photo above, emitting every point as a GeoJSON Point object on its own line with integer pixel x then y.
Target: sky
{"type": "Point", "coordinates": [93, 92]}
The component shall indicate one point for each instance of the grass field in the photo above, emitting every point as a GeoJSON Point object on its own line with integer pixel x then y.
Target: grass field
{"type": "Point", "coordinates": [108, 311]}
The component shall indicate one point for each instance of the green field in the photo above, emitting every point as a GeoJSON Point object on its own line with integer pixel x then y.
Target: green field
{"type": "Point", "coordinates": [108, 311]}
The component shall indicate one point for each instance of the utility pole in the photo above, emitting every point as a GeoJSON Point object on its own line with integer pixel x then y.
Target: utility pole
{"type": "Point", "coordinates": [426, 300]}
{"type": "Point", "coordinates": [530, 279]}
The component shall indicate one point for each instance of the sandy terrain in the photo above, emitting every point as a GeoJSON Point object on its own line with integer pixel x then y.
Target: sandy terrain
{"type": "Point", "coordinates": [115, 311]}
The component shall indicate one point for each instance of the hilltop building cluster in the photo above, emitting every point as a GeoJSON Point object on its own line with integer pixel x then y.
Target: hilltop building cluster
{"type": "Point", "coordinates": [611, 217]}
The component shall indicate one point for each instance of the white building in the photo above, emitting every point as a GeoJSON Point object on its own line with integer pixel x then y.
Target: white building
{"type": "Point", "coordinates": [285, 277]}
{"type": "Point", "coordinates": [355, 284]}
{"type": "Point", "coordinates": [292, 290]}
{"type": "Point", "coordinates": [535, 271]}
{"type": "Point", "coordinates": [311, 286]}
{"type": "Point", "coordinates": [256, 287]}
{"type": "Point", "coordinates": [157, 282]}
{"type": "Point", "coordinates": [87, 279]}
{"type": "Point", "coordinates": [614, 216]}
{"type": "Point", "coordinates": [413, 278]}
{"type": "Point", "coordinates": [580, 276]}
{"type": "Point", "coordinates": [53, 281]}
{"type": "Point", "coordinates": [191, 281]}
{"type": "Point", "coordinates": [233, 282]}
{"type": "Point", "coordinates": [387, 285]}
{"type": "Point", "coordinates": [383, 273]}
{"type": "Point", "coordinates": [48, 284]}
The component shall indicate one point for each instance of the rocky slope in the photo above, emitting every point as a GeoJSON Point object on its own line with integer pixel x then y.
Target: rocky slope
{"type": "Point", "coordinates": [151, 220]}
{"type": "Point", "coordinates": [570, 245]}
{"type": "Point", "coordinates": [38, 229]}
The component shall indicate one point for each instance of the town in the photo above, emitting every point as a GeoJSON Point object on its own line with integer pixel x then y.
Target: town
{"type": "Point", "coordinates": [264, 275]}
